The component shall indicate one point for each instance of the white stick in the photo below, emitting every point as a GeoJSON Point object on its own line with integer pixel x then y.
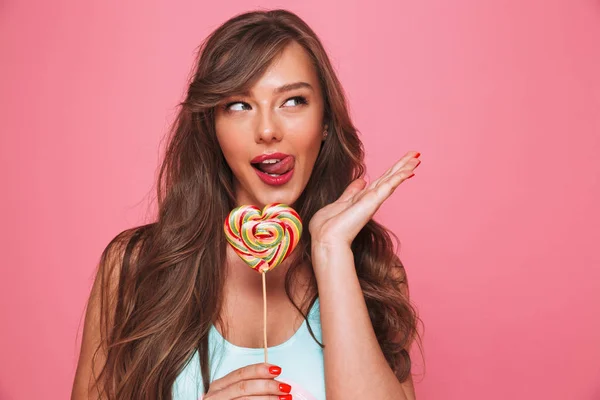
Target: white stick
{"type": "Point", "coordinates": [265, 314]}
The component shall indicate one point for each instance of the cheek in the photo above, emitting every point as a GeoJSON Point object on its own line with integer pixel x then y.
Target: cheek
{"type": "Point", "coordinates": [306, 142]}
{"type": "Point", "coordinates": [234, 154]}
{"type": "Point", "coordinates": [306, 133]}
{"type": "Point", "coordinates": [231, 145]}
{"type": "Point", "coordinates": [311, 140]}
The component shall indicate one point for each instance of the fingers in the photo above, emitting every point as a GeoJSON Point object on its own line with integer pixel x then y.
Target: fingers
{"type": "Point", "coordinates": [281, 397]}
{"type": "Point", "coordinates": [401, 170]}
{"type": "Point", "coordinates": [368, 202]}
{"type": "Point", "coordinates": [406, 160]}
{"type": "Point", "coordinates": [256, 380]}
{"type": "Point", "coordinates": [254, 387]}
{"type": "Point", "coordinates": [353, 188]}
{"type": "Point", "coordinates": [404, 173]}
{"type": "Point", "coordinates": [387, 187]}
{"type": "Point", "coordinates": [409, 162]}
{"type": "Point", "coordinates": [252, 371]}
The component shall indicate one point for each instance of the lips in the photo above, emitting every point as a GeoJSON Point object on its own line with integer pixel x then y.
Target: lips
{"type": "Point", "coordinates": [281, 167]}
{"type": "Point", "coordinates": [286, 163]}
{"type": "Point", "coordinates": [268, 156]}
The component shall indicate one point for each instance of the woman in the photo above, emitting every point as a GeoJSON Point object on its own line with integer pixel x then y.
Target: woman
{"type": "Point", "coordinates": [175, 313]}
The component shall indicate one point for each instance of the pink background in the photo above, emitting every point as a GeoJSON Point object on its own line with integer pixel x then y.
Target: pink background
{"type": "Point", "coordinates": [498, 227]}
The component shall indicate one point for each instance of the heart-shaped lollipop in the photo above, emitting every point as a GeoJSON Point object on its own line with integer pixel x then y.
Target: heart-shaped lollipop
{"type": "Point", "coordinates": [263, 239]}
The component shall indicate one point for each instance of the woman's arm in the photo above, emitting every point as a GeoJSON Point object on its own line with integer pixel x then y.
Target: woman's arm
{"type": "Point", "coordinates": [355, 367]}
{"type": "Point", "coordinates": [89, 343]}
{"type": "Point", "coordinates": [107, 278]}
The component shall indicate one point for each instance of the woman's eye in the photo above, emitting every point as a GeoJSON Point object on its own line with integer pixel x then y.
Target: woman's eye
{"type": "Point", "coordinates": [229, 108]}
{"type": "Point", "coordinates": [298, 99]}
{"type": "Point", "coordinates": [239, 105]}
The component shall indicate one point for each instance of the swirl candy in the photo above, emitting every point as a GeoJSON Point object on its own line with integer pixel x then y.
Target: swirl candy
{"type": "Point", "coordinates": [263, 239]}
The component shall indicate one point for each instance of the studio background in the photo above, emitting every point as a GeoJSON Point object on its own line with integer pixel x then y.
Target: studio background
{"type": "Point", "coordinates": [498, 228]}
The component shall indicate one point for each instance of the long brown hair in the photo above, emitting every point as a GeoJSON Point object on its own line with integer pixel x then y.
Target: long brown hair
{"type": "Point", "coordinates": [169, 286]}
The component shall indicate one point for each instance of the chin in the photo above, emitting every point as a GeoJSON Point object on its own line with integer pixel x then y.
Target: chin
{"type": "Point", "coordinates": [277, 199]}
{"type": "Point", "coordinates": [287, 194]}
{"type": "Point", "coordinates": [287, 197]}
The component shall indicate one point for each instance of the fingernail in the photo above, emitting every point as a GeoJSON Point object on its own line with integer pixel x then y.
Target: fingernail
{"type": "Point", "coordinates": [410, 176]}
{"type": "Point", "coordinates": [285, 397]}
{"type": "Point", "coordinates": [284, 387]}
{"type": "Point", "coordinates": [275, 370]}
{"type": "Point", "coordinates": [417, 155]}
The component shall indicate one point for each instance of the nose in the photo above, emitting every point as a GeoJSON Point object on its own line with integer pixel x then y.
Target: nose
{"type": "Point", "coordinates": [267, 130]}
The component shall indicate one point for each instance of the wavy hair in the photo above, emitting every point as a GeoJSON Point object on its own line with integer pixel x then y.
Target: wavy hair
{"type": "Point", "coordinates": [160, 290]}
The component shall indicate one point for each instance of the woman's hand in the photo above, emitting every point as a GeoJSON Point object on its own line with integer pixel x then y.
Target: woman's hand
{"type": "Point", "coordinates": [338, 223]}
{"type": "Point", "coordinates": [256, 382]}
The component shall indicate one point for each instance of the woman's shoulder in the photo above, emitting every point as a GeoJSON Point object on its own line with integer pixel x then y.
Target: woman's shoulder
{"type": "Point", "coordinates": [121, 251]}
{"type": "Point", "coordinates": [126, 243]}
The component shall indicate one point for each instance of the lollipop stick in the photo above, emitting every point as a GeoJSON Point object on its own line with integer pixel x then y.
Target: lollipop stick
{"type": "Point", "coordinates": [265, 314]}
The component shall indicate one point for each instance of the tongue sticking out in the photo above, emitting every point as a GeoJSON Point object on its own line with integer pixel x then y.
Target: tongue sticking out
{"type": "Point", "coordinates": [280, 167]}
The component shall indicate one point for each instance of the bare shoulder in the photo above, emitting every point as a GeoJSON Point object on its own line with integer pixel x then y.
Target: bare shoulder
{"type": "Point", "coordinates": [100, 309]}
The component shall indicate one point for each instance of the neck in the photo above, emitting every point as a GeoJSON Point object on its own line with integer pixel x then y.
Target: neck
{"type": "Point", "coordinates": [244, 281]}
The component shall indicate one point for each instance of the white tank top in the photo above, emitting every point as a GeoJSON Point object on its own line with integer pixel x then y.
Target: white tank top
{"type": "Point", "coordinates": [300, 359]}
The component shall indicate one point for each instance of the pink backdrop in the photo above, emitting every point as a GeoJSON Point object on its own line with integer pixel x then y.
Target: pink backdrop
{"type": "Point", "coordinates": [498, 227]}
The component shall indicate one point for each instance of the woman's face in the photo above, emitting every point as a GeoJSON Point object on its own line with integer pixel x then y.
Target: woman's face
{"type": "Point", "coordinates": [274, 119]}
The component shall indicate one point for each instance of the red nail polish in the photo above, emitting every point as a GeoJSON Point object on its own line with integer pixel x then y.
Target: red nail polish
{"type": "Point", "coordinates": [284, 387]}
{"type": "Point", "coordinates": [285, 397]}
{"type": "Point", "coordinates": [274, 370]}
{"type": "Point", "coordinates": [417, 155]}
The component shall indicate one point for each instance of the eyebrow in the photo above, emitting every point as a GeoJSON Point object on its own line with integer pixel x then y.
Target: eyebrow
{"type": "Point", "coordinates": [285, 88]}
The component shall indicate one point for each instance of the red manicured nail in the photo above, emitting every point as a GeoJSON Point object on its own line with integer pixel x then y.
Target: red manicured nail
{"type": "Point", "coordinates": [274, 370]}
{"type": "Point", "coordinates": [285, 397]}
{"type": "Point", "coordinates": [417, 155]}
{"type": "Point", "coordinates": [284, 387]}
{"type": "Point", "coordinates": [410, 176]}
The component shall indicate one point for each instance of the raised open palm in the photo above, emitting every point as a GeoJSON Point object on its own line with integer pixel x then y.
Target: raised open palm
{"type": "Point", "coordinates": [338, 223]}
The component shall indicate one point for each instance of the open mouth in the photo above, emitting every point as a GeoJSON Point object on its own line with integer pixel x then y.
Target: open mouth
{"type": "Point", "coordinates": [275, 167]}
